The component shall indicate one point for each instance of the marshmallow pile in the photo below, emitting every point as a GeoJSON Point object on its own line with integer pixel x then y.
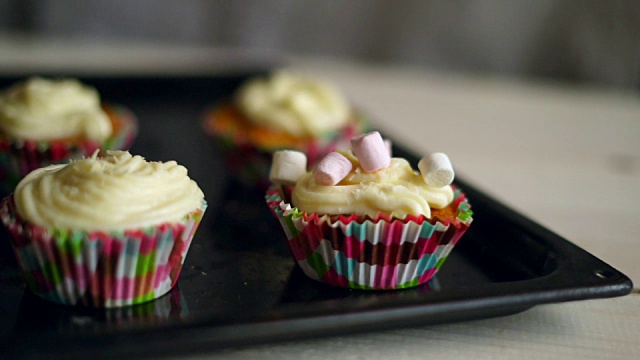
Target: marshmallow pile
{"type": "Point", "coordinates": [373, 153]}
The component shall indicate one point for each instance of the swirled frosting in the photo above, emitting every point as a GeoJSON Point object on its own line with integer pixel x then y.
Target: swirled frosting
{"type": "Point", "coordinates": [41, 109]}
{"type": "Point", "coordinates": [397, 190]}
{"type": "Point", "coordinates": [115, 192]}
{"type": "Point", "coordinates": [294, 104]}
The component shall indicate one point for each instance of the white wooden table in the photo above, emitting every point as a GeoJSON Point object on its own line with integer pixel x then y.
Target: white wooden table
{"type": "Point", "coordinates": [565, 156]}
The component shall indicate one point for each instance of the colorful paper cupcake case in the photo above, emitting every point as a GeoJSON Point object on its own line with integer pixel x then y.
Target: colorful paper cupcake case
{"type": "Point", "coordinates": [370, 255]}
{"type": "Point", "coordinates": [100, 269]}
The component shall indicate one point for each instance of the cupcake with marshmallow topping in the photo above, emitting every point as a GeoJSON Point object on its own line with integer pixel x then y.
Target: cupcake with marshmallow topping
{"type": "Point", "coordinates": [51, 121]}
{"type": "Point", "coordinates": [103, 231]}
{"type": "Point", "coordinates": [284, 110]}
{"type": "Point", "coordinates": [365, 220]}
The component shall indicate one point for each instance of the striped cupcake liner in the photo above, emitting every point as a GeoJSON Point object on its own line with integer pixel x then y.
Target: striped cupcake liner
{"type": "Point", "coordinates": [100, 269]}
{"type": "Point", "coordinates": [378, 254]}
{"type": "Point", "coordinates": [20, 157]}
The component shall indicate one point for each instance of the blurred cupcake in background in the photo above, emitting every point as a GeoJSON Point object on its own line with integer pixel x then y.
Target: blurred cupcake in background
{"type": "Point", "coordinates": [50, 121]}
{"type": "Point", "coordinates": [283, 110]}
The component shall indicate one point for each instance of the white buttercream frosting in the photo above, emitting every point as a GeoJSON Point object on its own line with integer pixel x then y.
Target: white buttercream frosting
{"type": "Point", "coordinates": [294, 104]}
{"type": "Point", "coordinates": [115, 192]}
{"type": "Point", "coordinates": [397, 190]}
{"type": "Point", "coordinates": [42, 109]}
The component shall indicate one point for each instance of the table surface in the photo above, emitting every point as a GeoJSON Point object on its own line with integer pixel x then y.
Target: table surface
{"type": "Point", "coordinates": [566, 156]}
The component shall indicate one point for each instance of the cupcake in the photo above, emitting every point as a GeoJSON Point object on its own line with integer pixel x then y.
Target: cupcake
{"type": "Point", "coordinates": [103, 231]}
{"type": "Point", "coordinates": [44, 122]}
{"type": "Point", "coordinates": [364, 220]}
{"type": "Point", "coordinates": [283, 110]}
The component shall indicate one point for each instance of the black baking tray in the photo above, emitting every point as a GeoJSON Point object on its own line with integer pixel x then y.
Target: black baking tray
{"type": "Point", "coordinates": [239, 285]}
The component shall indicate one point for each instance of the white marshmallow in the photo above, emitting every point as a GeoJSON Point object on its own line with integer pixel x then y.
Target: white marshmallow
{"type": "Point", "coordinates": [436, 170]}
{"type": "Point", "coordinates": [287, 166]}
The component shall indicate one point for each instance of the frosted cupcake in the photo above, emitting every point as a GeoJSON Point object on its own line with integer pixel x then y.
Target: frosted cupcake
{"type": "Point", "coordinates": [351, 224]}
{"type": "Point", "coordinates": [44, 122]}
{"type": "Point", "coordinates": [283, 110]}
{"type": "Point", "coordinates": [103, 231]}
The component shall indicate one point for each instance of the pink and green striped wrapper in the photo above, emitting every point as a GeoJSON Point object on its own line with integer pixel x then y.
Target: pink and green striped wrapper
{"type": "Point", "coordinates": [19, 157]}
{"type": "Point", "coordinates": [369, 254]}
{"type": "Point", "coordinates": [100, 269]}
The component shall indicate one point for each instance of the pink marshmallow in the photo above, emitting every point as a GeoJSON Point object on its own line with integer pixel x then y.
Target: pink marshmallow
{"type": "Point", "coordinates": [371, 151]}
{"type": "Point", "coordinates": [332, 169]}
{"type": "Point", "coordinates": [387, 143]}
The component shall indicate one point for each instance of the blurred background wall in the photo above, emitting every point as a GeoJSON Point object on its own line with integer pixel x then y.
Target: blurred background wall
{"type": "Point", "coordinates": [592, 41]}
